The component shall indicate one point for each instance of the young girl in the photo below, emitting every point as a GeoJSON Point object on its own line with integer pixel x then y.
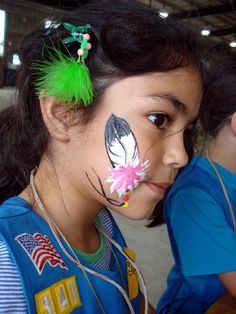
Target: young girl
{"type": "Point", "coordinates": [200, 208]}
{"type": "Point", "coordinates": [105, 96]}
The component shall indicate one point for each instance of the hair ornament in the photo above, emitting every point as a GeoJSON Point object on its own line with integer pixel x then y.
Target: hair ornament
{"type": "Point", "coordinates": [77, 32]}
{"type": "Point", "coordinates": [64, 77]}
{"type": "Point", "coordinates": [80, 34]}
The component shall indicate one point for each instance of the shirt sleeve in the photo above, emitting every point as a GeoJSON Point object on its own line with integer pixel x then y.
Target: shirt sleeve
{"type": "Point", "coordinates": [206, 244]}
{"type": "Point", "coordinates": [12, 298]}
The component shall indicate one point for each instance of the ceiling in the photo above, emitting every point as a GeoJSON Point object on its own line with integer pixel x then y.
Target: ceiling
{"type": "Point", "coordinates": [219, 16]}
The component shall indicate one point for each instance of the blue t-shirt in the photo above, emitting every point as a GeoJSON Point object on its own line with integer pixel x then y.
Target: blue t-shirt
{"type": "Point", "coordinates": [202, 238]}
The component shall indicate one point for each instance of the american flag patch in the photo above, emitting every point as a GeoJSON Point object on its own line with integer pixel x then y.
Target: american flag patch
{"type": "Point", "coordinates": [40, 250]}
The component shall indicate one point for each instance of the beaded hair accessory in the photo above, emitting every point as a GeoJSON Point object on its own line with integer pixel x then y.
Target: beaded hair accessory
{"type": "Point", "coordinates": [64, 77]}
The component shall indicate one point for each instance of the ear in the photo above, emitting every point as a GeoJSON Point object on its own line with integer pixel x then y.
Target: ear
{"type": "Point", "coordinates": [233, 123]}
{"type": "Point", "coordinates": [55, 117]}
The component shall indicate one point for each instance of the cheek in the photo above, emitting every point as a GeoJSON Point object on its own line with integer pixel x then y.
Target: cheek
{"type": "Point", "coordinates": [152, 152]}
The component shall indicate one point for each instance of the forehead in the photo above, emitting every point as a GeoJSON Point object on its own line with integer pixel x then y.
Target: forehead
{"type": "Point", "coordinates": [179, 88]}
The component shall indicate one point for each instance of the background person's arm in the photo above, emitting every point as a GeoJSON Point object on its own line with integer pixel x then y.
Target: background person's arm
{"type": "Point", "coordinates": [229, 281]}
{"type": "Point", "coordinates": [150, 307]}
{"type": "Point", "coordinates": [225, 304]}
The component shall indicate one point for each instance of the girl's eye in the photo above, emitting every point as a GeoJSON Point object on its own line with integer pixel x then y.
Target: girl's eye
{"type": "Point", "coordinates": [160, 119]}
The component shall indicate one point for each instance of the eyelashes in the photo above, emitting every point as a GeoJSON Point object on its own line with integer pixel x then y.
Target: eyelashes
{"type": "Point", "coordinates": [160, 119]}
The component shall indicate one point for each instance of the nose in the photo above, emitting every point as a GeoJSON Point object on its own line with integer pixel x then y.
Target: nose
{"type": "Point", "coordinates": [175, 155]}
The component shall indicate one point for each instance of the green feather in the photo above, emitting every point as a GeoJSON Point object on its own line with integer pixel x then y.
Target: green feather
{"type": "Point", "coordinates": [64, 78]}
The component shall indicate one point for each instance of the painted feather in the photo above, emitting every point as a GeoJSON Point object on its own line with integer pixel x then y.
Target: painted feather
{"type": "Point", "coordinates": [121, 144]}
{"type": "Point", "coordinates": [123, 153]}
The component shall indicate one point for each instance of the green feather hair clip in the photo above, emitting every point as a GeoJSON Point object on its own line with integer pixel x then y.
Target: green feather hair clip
{"type": "Point", "coordinates": [63, 77]}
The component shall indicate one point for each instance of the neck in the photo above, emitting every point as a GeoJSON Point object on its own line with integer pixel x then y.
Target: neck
{"type": "Point", "coordinates": [222, 149]}
{"type": "Point", "coordinates": [72, 215]}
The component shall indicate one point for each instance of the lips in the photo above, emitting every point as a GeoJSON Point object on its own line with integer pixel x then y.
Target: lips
{"type": "Point", "coordinates": [158, 187]}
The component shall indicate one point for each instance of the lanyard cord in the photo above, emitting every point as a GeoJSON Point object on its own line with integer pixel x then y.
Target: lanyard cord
{"type": "Point", "coordinates": [133, 264]}
{"type": "Point", "coordinates": [224, 191]}
{"type": "Point", "coordinates": [75, 259]}
{"type": "Point", "coordinates": [54, 228]}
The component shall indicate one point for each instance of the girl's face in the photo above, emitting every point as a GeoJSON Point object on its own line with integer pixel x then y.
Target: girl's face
{"type": "Point", "coordinates": [131, 151]}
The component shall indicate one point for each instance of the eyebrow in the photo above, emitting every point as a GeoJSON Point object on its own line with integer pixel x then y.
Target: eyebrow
{"type": "Point", "coordinates": [175, 101]}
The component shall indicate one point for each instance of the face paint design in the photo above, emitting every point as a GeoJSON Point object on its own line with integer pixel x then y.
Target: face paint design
{"type": "Point", "coordinates": [102, 192]}
{"type": "Point", "coordinates": [122, 149]}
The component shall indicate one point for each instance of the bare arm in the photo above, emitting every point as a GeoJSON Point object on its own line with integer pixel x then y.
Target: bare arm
{"type": "Point", "coordinates": [151, 310]}
{"type": "Point", "coordinates": [229, 281]}
{"type": "Point", "coordinates": [150, 307]}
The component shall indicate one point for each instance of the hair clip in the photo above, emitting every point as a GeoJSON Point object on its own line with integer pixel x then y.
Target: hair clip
{"type": "Point", "coordinates": [63, 77]}
{"type": "Point", "coordinates": [80, 34]}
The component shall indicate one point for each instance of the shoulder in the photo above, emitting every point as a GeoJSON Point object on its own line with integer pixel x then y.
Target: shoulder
{"type": "Point", "coordinates": [198, 171]}
{"type": "Point", "coordinates": [6, 262]}
{"type": "Point", "coordinates": [193, 206]}
{"type": "Point", "coordinates": [195, 184]}
{"type": "Point", "coordinates": [14, 206]}
{"type": "Point", "coordinates": [188, 197]}
{"type": "Point", "coordinates": [11, 292]}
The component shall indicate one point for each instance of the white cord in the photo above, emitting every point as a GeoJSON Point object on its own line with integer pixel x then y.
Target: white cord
{"type": "Point", "coordinates": [133, 264]}
{"type": "Point", "coordinates": [75, 260]}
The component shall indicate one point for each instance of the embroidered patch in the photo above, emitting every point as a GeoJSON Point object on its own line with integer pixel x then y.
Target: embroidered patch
{"type": "Point", "coordinates": [60, 298]}
{"type": "Point", "coordinates": [40, 250]}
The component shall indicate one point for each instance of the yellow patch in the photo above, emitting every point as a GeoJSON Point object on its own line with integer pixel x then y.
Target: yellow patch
{"type": "Point", "coordinates": [132, 275]}
{"type": "Point", "coordinates": [44, 302]}
{"type": "Point", "coordinates": [73, 292]}
{"type": "Point", "coordinates": [60, 298]}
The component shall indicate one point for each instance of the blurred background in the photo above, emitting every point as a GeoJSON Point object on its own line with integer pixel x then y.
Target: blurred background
{"type": "Point", "coordinates": [214, 20]}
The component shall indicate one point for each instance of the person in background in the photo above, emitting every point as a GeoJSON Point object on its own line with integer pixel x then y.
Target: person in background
{"type": "Point", "coordinates": [200, 207]}
{"type": "Point", "coordinates": [106, 94]}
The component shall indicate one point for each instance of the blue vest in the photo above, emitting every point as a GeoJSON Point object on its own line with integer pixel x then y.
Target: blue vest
{"type": "Point", "coordinates": [192, 295]}
{"type": "Point", "coordinates": [51, 282]}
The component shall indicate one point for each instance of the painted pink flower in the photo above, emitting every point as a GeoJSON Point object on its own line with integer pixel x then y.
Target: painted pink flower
{"type": "Point", "coordinates": [127, 177]}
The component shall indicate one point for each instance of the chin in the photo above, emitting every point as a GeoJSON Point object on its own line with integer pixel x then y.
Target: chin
{"type": "Point", "coordinates": [136, 213]}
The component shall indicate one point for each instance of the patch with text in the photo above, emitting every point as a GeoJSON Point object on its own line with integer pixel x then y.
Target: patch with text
{"type": "Point", "coordinates": [60, 298]}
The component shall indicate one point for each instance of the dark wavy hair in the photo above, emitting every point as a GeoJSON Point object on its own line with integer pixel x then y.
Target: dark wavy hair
{"type": "Point", "coordinates": [127, 39]}
{"type": "Point", "coordinates": [219, 95]}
